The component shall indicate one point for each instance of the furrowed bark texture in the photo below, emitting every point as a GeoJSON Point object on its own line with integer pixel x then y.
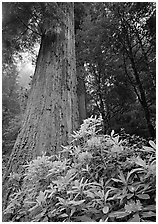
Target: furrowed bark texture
{"type": "Point", "coordinates": [52, 110]}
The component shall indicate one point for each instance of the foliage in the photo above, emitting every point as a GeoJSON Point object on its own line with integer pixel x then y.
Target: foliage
{"type": "Point", "coordinates": [95, 178]}
{"type": "Point", "coordinates": [13, 105]}
{"type": "Point", "coordinates": [10, 107]}
{"type": "Point", "coordinates": [116, 48]}
{"type": "Point", "coordinates": [20, 29]}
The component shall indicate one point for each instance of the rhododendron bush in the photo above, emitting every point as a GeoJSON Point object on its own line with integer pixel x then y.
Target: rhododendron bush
{"type": "Point", "coordinates": [95, 178]}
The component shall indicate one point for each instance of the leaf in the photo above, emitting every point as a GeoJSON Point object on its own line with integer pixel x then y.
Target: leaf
{"type": "Point", "coordinates": [41, 197]}
{"type": "Point", "coordinates": [106, 209]}
{"type": "Point", "coordinates": [71, 173]}
{"type": "Point", "coordinates": [140, 162]}
{"type": "Point", "coordinates": [63, 215]}
{"type": "Point", "coordinates": [152, 144]}
{"type": "Point", "coordinates": [130, 196]}
{"type": "Point", "coordinates": [131, 188]}
{"type": "Point", "coordinates": [45, 219]}
{"type": "Point", "coordinates": [93, 210]}
{"type": "Point", "coordinates": [106, 195]}
{"type": "Point", "coordinates": [133, 206]}
{"type": "Point", "coordinates": [116, 180]}
{"type": "Point", "coordinates": [35, 211]}
{"type": "Point", "coordinates": [90, 194]}
{"type": "Point", "coordinates": [112, 133]}
{"type": "Point", "coordinates": [150, 207]}
{"type": "Point", "coordinates": [148, 149]}
{"type": "Point", "coordinates": [133, 171]}
{"type": "Point", "coordinates": [116, 139]}
{"type": "Point", "coordinates": [34, 207]}
{"type": "Point", "coordinates": [143, 196]}
{"type": "Point", "coordinates": [84, 218]}
{"type": "Point", "coordinates": [62, 201]}
{"type": "Point", "coordinates": [72, 211]}
{"type": "Point", "coordinates": [122, 177]}
{"type": "Point", "coordinates": [76, 202]}
{"type": "Point", "coordinates": [118, 214]}
{"type": "Point", "coordinates": [148, 214]}
{"type": "Point", "coordinates": [40, 215]}
{"type": "Point", "coordinates": [135, 218]}
{"type": "Point", "coordinates": [116, 149]}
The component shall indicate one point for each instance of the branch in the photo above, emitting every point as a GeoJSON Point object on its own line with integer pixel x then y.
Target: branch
{"type": "Point", "coordinates": [97, 104]}
{"type": "Point", "coordinates": [28, 27]}
{"type": "Point", "coordinates": [126, 72]}
{"type": "Point", "coordinates": [121, 111]}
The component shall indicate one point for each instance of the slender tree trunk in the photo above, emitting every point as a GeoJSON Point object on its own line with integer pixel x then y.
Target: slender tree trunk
{"type": "Point", "coordinates": [143, 100]}
{"type": "Point", "coordinates": [52, 110]}
{"type": "Point", "coordinates": [81, 93]}
{"type": "Point", "coordinates": [142, 97]}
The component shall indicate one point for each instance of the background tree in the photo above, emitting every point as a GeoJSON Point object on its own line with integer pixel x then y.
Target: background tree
{"type": "Point", "coordinates": [10, 107]}
{"type": "Point", "coordinates": [138, 52]}
{"type": "Point", "coordinates": [117, 48]}
{"type": "Point", "coordinates": [80, 12]}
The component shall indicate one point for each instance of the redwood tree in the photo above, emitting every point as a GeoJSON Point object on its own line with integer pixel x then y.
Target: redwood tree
{"type": "Point", "coordinates": [52, 110]}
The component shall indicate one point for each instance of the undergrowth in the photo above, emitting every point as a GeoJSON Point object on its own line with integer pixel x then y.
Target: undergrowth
{"type": "Point", "coordinates": [95, 178]}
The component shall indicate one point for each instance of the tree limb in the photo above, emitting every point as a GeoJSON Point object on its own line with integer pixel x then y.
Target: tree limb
{"type": "Point", "coordinates": [28, 27]}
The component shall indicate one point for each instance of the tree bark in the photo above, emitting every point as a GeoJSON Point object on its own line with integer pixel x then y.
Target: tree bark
{"type": "Point", "coordinates": [52, 111]}
{"type": "Point", "coordinates": [81, 93]}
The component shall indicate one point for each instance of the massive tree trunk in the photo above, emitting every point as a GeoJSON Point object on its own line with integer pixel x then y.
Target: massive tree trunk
{"type": "Point", "coordinates": [52, 110]}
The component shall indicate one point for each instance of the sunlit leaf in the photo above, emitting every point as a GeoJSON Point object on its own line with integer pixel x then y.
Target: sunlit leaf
{"type": "Point", "coordinates": [106, 195]}
{"type": "Point", "coordinates": [148, 214]}
{"type": "Point", "coordinates": [112, 133]}
{"type": "Point", "coordinates": [77, 202]}
{"type": "Point", "coordinates": [41, 197]}
{"type": "Point", "coordinates": [140, 162]}
{"type": "Point", "coordinates": [73, 211]}
{"type": "Point", "coordinates": [133, 206]}
{"type": "Point", "coordinates": [148, 149]}
{"type": "Point", "coordinates": [152, 144]}
{"type": "Point", "coordinates": [116, 149]}
{"type": "Point", "coordinates": [131, 188]}
{"type": "Point", "coordinates": [143, 196]}
{"type": "Point", "coordinates": [90, 194]}
{"type": "Point", "coordinates": [122, 177]}
{"type": "Point", "coordinates": [116, 180]}
{"type": "Point", "coordinates": [150, 207]}
{"type": "Point", "coordinates": [63, 215]}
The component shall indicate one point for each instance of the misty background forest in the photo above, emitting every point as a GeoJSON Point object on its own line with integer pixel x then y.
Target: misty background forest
{"type": "Point", "coordinates": [79, 111]}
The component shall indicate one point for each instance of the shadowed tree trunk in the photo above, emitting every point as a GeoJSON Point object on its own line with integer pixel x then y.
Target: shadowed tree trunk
{"type": "Point", "coordinates": [142, 98]}
{"type": "Point", "coordinates": [81, 93]}
{"type": "Point", "coordinates": [52, 111]}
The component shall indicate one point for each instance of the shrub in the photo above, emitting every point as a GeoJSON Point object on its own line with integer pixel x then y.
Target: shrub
{"type": "Point", "coordinates": [95, 178]}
